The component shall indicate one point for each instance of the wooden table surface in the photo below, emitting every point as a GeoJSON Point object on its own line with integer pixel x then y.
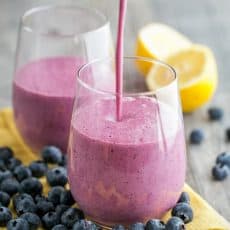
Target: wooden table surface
{"type": "Point", "coordinates": [206, 22]}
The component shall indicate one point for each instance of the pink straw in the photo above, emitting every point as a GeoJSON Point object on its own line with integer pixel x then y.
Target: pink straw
{"type": "Point", "coordinates": [119, 58]}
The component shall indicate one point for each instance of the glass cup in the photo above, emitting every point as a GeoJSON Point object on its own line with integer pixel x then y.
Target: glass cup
{"type": "Point", "coordinates": [54, 41]}
{"type": "Point", "coordinates": [133, 169]}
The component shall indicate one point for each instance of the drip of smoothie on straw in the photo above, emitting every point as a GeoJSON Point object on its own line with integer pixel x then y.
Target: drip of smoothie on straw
{"type": "Point", "coordinates": [119, 58]}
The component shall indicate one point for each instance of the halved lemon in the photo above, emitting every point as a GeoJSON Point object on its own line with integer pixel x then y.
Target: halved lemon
{"type": "Point", "coordinates": [159, 41]}
{"type": "Point", "coordinates": [197, 75]}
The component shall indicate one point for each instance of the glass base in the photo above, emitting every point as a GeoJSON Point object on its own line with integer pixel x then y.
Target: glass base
{"type": "Point", "coordinates": [102, 226]}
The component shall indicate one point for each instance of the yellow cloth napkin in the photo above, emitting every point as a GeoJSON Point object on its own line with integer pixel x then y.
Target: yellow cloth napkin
{"type": "Point", "coordinates": [205, 217]}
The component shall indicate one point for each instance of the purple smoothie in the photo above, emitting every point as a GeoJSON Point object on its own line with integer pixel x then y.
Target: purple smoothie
{"type": "Point", "coordinates": [126, 171]}
{"type": "Point", "coordinates": [43, 96]}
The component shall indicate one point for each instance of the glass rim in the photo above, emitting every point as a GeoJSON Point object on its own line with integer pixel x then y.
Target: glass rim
{"type": "Point", "coordinates": [34, 10]}
{"type": "Point", "coordinates": [138, 94]}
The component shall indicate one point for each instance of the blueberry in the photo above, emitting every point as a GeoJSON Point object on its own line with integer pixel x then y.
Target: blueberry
{"type": "Point", "coordinates": [17, 198]}
{"type": "Point", "coordinates": [183, 211]}
{"type": "Point", "coordinates": [4, 199]}
{"type": "Point", "coordinates": [18, 224]}
{"type": "Point", "coordinates": [196, 136]}
{"type": "Point", "coordinates": [12, 163]}
{"type": "Point", "coordinates": [2, 165]}
{"type": "Point", "coordinates": [80, 213]}
{"type": "Point", "coordinates": [10, 186]}
{"type": "Point", "coordinates": [5, 216]}
{"type": "Point", "coordinates": [67, 198]}
{"type": "Point", "coordinates": [31, 186]}
{"type": "Point", "coordinates": [60, 227]}
{"type": "Point", "coordinates": [224, 159]}
{"type": "Point", "coordinates": [38, 168]}
{"type": "Point", "coordinates": [175, 223]}
{"type": "Point", "coordinates": [6, 153]}
{"type": "Point", "coordinates": [21, 172]}
{"type": "Point", "coordinates": [57, 176]}
{"type": "Point", "coordinates": [220, 172]}
{"type": "Point", "coordinates": [5, 174]}
{"type": "Point", "coordinates": [54, 194]}
{"type": "Point", "coordinates": [60, 209]}
{"type": "Point", "coordinates": [52, 155]}
{"type": "Point", "coordinates": [70, 216]}
{"type": "Point", "coordinates": [227, 133]}
{"type": "Point", "coordinates": [63, 161]}
{"type": "Point", "coordinates": [87, 225]}
{"type": "Point", "coordinates": [44, 206]}
{"type": "Point", "coordinates": [32, 219]}
{"type": "Point", "coordinates": [137, 226]}
{"type": "Point", "coordinates": [118, 227]}
{"type": "Point", "coordinates": [155, 224]}
{"type": "Point", "coordinates": [215, 113]}
{"type": "Point", "coordinates": [40, 197]}
{"type": "Point", "coordinates": [50, 219]}
{"type": "Point", "coordinates": [25, 205]}
{"type": "Point", "coordinates": [184, 197]}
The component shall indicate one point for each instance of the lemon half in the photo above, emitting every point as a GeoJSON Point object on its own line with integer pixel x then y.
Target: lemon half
{"type": "Point", "coordinates": [197, 75]}
{"type": "Point", "coordinates": [159, 41]}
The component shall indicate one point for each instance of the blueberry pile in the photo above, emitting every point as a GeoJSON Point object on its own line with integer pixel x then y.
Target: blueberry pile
{"type": "Point", "coordinates": [21, 188]}
{"type": "Point", "coordinates": [221, 169]}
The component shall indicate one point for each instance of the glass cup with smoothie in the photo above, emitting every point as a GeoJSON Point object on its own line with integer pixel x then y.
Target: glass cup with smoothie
{"type": "Point", "coordinates": [133, 168]}
{"type": "Point", "coordinates": [54, 41]}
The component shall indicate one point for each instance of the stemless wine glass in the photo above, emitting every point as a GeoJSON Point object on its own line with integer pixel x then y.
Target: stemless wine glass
{"type": "Point", "coordinates": [54, 41]}
{"type": "Point", "coordinates": [133, 169]}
